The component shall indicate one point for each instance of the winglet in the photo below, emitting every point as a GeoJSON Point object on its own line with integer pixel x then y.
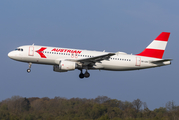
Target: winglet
{"type": "Point", "coordinates": [157, 47]}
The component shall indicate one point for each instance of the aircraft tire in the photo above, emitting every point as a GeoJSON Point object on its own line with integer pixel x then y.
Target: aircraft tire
{"type": "Point", "coordinates": [28, 70]}
{"type": "Point", "coordinates": [81, 75]}
{"type": "Point", "coordinates": [86, 75]}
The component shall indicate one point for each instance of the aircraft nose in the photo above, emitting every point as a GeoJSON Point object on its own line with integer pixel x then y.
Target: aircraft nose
{"type": "Point", "coordinates": [10, 54]}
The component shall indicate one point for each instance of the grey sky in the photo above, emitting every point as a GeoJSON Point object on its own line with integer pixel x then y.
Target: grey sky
{"type": "Point", "coordinates": [111, 25]}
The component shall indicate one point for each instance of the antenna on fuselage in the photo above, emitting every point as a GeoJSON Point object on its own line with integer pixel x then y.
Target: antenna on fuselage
{"type": "Point", "coordinates": [33, 44]}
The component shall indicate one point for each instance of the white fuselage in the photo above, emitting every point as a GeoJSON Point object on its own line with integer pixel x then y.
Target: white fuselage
{"type": "Point", "coordinates": [53, 55]}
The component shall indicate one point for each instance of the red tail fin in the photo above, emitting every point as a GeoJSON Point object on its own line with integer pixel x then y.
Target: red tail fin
{"type": "Point", "coordinates": [157, 47]}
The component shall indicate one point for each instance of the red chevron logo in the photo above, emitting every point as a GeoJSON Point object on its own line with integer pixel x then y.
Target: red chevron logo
{"type": "Point", "coordinates": [40, 52]}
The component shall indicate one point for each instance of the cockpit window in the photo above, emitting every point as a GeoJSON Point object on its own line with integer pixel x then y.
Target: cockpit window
{"type": "Point", "coordinates": [18, 49]}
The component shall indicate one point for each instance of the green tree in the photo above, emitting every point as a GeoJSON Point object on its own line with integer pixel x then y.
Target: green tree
{"type": "Point", "coordinates": [137, 104]}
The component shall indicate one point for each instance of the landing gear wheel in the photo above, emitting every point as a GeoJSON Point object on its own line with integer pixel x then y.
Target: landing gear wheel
{"type": "Point", "coordinates": [86, 75]}
{"type": "Point", "coordinates": [81, 75]}
{"type": "Point", "coordinates": [28, 70]}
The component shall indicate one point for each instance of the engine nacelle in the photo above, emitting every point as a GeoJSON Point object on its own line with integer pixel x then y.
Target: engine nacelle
{"type": "Point", "coordinates": [67, 65]}
{"type": "Point", "coordinates": [57, 69]}
{"type": "Point", "coordinates": [64, 66]}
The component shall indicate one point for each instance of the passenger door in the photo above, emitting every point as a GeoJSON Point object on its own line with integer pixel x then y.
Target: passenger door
{"type": "Point", "coordinates": [31, 51]}
{"type": "Point", "coordinates": [138, 61]}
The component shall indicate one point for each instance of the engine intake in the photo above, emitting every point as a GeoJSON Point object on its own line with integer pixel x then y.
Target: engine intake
{"type": "Point", "coordinates": [57, 69]}
{"type": "Point", "coordinates": [64, 66]}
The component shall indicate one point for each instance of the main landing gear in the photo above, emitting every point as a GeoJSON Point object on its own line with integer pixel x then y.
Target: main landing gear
{"type": "Point", "coordinates": [86, 75]}
{"type": "Point", "coordinates": [29, 70]}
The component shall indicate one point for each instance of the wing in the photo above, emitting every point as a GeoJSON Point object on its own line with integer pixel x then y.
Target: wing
{"type": "Point", "coordinates": [92, 60]}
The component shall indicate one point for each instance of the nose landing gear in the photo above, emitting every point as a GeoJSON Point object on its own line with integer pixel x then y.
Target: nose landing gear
{"type": "Point", "coordinates": [29, 70]}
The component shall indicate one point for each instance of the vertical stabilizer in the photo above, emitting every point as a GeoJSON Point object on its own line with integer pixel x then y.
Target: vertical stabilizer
{"type": "Point", "coordinates": [157, 47]}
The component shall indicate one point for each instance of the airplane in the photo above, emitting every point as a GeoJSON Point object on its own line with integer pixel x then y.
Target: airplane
{"type": "Point", "coordinates": [67, 59]}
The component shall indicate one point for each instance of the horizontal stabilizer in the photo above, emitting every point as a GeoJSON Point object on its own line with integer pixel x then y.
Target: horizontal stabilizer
{"type": "Point", "coordinates": [161, 61]}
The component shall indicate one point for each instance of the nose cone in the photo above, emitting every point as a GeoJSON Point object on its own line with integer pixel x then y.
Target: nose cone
{"type": "Point", "coordinates": [15, 55]}
{"type": "Point", "coordinates": [11, 55]}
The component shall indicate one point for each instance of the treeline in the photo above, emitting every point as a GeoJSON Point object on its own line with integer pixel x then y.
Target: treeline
{"type": "Point", "coordinates": [100, 108]}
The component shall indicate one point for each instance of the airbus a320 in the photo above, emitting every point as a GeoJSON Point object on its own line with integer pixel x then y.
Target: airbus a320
{"type": "Point", "coordinates": [67, 59]}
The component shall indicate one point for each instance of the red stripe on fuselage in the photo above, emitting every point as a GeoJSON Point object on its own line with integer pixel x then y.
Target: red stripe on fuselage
{"type": "Point", "coordinates": [40, 52]}
{"type": "Point", "coordinates": [152, 53]}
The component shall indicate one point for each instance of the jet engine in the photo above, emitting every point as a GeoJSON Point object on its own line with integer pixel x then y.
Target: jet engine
{"type": "Point", "coordinates": [64, 66]}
